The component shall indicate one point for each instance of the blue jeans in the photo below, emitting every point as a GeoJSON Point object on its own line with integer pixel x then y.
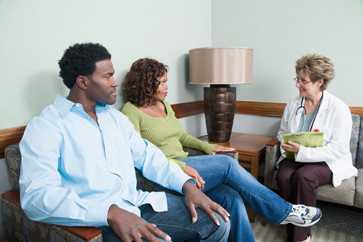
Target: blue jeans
{"type": "Point", "coordinates": [177, 222]}
{"type": "Point", "coordinates": [231, 185]}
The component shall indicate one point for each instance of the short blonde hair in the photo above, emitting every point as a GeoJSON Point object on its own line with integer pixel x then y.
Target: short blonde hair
{"type": "Point", "coordinates": [318, 67]}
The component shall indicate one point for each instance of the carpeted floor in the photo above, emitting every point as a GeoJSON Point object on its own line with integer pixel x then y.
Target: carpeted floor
{"type": "Point", "coordinates": [338, 224]}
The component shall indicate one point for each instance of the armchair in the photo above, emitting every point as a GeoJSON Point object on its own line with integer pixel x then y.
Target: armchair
{"type": "Point", "coordinates": [350, 192]}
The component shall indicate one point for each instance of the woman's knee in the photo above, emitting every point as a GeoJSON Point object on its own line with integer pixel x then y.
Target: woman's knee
{"type": "Point", "coordinates": [229, 161]}
{"type": "Point", "coordinates": [283, 177]}
{"type": "Point", "coordinates": [302, 177]}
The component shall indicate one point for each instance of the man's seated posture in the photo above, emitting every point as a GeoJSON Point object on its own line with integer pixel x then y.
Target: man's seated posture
{"type": "Point", "coordinates": [78, 160]}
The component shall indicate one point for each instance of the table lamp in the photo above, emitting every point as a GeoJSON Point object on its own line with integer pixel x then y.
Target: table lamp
{"type": "Point", "coordinates": [219, 68]}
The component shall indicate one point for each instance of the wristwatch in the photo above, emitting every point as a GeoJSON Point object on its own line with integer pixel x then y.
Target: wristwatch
{"type": "Point", "coordinates": [192, 181]}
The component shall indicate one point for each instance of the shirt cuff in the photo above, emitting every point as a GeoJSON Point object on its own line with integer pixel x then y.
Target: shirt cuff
{"type": "Point", "coordinates": [97, 213]}
{"type": "Point", "coordinates": [178, 180]}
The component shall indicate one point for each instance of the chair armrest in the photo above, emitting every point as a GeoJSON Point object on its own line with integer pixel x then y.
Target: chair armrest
{"type": "Point", "coordinates": [193, 152]}
{"type": "Point", "coordinates": [271, 156]}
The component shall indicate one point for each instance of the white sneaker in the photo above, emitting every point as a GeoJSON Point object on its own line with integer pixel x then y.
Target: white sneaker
{"type": "Point", "coordinates": [303, 216]}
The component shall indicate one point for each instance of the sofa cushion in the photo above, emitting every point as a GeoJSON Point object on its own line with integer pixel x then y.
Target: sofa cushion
{"type": "Point", "coordinates": [359, 190]}
{"type": "Point", "coordinates": [343, 194]}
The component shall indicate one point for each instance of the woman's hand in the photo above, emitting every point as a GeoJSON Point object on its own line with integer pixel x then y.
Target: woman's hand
{"type": "Point", "coordinates": [190, 171]}
{"type": "Point", "coordinates": [291, 147]}
{"type": "Point", "coordinates": [220, 148]}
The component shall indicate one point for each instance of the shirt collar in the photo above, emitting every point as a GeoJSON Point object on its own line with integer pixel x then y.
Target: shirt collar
{"type": "Point", "coordinates": [64, 106]}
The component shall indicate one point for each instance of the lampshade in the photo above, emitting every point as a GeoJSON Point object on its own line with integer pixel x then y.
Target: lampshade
{"type": "Point", "coordinates": [220, 66]}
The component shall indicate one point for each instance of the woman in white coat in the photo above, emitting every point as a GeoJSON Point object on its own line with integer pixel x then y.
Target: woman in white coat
{"type": "Point", "coordinates": [314, 110]}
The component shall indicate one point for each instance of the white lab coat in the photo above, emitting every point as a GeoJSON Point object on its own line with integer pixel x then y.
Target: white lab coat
{"type": "Point", "coordinates": [335, 121]}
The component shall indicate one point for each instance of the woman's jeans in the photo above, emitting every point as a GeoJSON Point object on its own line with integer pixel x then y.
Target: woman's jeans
{"type": "Point", "coordinates": [177, 222]}
{"type": "Point", "coordinates": [231, 185]}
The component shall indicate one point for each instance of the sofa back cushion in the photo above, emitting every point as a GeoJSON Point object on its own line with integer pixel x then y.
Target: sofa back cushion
{"type": "Point", "coordinates": [356, 131]}
{"type": "Point", "coordinates": [359, 160]}
{"type": "Point", "coordinates": [13, 161]}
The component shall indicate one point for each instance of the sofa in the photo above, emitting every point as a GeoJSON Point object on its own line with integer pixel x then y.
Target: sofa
{"type": "Point", "coordinates": [350, 192]}
{"type": "Point", "coordinates": [18, 228]}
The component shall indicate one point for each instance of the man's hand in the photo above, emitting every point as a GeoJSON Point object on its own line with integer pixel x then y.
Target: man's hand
{"type": "Point", "coordinates": [220, 148]}
{"type": "Point", "coordinates": [194, 198]}
{"type": "Point", "coordinates": [291, 147]}
{"type": "Point", "coordinates": [190, 171]}
{"type": "Point", "coordinates": [129, 227]}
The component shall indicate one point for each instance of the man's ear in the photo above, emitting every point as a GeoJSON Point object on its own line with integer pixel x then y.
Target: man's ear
{"type": "Point", "coordinates": [82, 82]}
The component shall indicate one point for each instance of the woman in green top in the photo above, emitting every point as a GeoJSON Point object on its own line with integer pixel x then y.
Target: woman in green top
{"type": "Point", "coordinates": [226, 182]}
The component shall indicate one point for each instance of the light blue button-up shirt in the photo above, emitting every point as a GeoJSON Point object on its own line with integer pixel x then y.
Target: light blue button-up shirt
{"type": "Point", "coordinates": [73, 168]}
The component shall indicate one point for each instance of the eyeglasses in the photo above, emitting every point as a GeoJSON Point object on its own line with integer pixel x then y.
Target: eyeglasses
{"type": "Point", "coordinates": [300, 81]}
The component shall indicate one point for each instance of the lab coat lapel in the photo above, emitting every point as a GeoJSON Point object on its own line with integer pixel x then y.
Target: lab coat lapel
{"type": "Point", "coordinates": [320, 116]}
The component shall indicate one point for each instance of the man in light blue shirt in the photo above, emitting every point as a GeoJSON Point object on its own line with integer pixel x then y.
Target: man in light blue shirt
{"type": "Point", "coordinates": [78, 160]}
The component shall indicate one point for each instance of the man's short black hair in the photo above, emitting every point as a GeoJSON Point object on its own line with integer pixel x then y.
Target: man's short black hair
{"type": "Point", "coordinates": [80, 59]}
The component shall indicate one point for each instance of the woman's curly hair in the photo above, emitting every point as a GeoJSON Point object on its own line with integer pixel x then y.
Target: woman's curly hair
{"type": "Point", "coordinates": [318, 67]}
{"type": "Point", "coordinates": [141, 81]}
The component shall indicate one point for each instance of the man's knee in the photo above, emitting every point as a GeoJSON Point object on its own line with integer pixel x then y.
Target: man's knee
{"type": "Point", "coordinates": [219, 232]}
{"type": "Point", "coordinates": [283, 177]}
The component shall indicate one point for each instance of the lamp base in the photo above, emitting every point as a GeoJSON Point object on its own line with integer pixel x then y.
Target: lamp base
{"type": "Point", "coordinates": [219, 106]}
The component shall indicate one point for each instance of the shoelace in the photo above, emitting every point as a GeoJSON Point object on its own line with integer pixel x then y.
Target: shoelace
{"type": "Point", "coordinates": [300, 211]}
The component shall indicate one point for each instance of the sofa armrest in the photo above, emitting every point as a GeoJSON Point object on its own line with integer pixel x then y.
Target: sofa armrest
{"type": "Point", "coordinates": [19, 228]}
{"type": "Point", "coordinates": [271, 156]}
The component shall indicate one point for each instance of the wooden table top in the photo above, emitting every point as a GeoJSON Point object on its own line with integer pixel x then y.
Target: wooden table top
{"type": "Point", "coordinates": [246, 142]}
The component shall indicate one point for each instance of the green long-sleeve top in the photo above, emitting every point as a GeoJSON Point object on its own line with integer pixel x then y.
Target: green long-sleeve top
{"type": "Point", "coordinates": [165, 132]}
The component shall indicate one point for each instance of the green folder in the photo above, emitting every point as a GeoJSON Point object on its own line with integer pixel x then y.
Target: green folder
{"type": "Point", "coordinates": [307, 139]}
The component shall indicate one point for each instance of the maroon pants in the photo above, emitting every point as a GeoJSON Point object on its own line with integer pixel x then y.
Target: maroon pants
{"type": "Point", "coordinates": [297, 183]}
